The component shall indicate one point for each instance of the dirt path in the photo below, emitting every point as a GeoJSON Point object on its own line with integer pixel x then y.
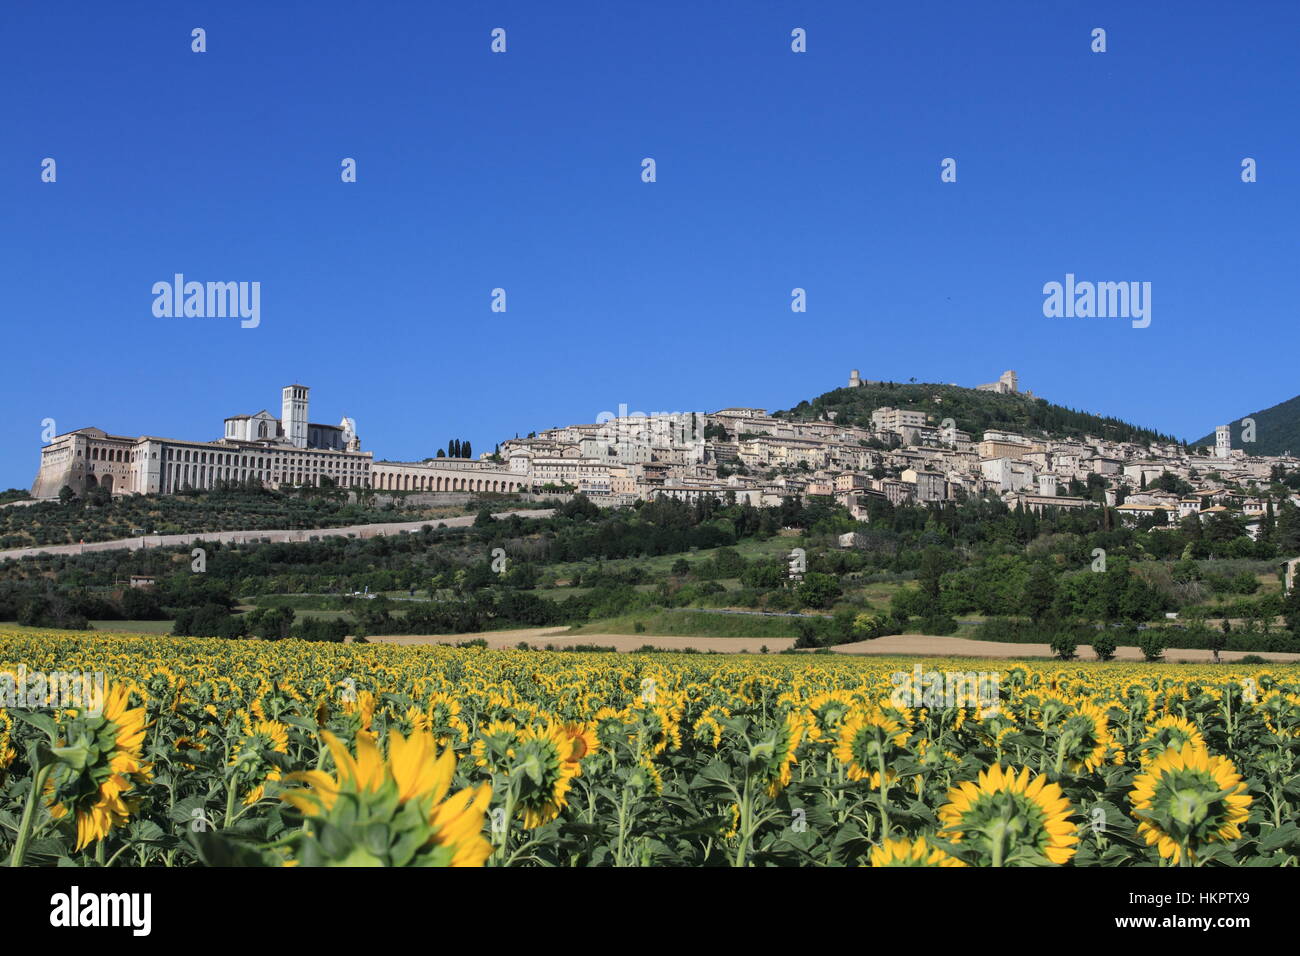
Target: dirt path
{"type": "Point", "coordinates": [923, 644]}
{"type": "Point", "coordinates": [897, 645]}
{"type": "Point", "coordinates": [539, 637]}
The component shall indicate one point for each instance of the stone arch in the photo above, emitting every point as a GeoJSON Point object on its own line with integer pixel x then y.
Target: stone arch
{"type": "Point", "coordinates": [107, 483]}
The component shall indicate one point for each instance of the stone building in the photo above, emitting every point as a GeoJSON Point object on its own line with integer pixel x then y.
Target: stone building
{"type": "Point", "coordinates": [290, 450]}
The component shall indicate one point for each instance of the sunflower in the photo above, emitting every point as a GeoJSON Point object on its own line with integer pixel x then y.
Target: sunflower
{"type": "Point", "coordinates": [396, 812]}
{"type": "Point", "coordinates": [828, 712]}
{"type": "Point", "coordinates": [418, 718]}
{"type": "Point", "coordinates": [7, 752]}
{"type": "Point", "coordinates": [248, 757]}
{"type": "Point", "coordinates": [495, 746]}
{"type": "Point", "coordinates": [1008, 819]}
{"type": "Point", "coordinates": [611, 726]}
{"type": "Point", "coordinates": [98, 766]}
{"type": "Point", "coordinates": [730, 829]}
{"type": "Point", "coordinates": [867, 739]}
{"type": "Point", "coordinates": [907, 852]}
{"type": "Point", "coordinates": [1281, 713]}
{"type": "Point", "coordinates": [583, 741]}
{"type": "Point", "coordinates": [444, 715]}
{"type": "Point", "coordinates": [708, 731]}
{"type": "Point", "coordinates": [1187, 798]}
{"type": "Point", "coordinates": [1083, 738]}
{"type": "Point", "coordinates": [360, 705]}
{"type": "Point", "coordinates": [645, 776]}
{"type": "Point", "coordinates": [1171, 732]}
{"type": "Point", "coordinates": [659, 725]}
{"type": "Point", "coordinates": [773, 756]}
{"type": "Point", "coordinates": [542, 772]}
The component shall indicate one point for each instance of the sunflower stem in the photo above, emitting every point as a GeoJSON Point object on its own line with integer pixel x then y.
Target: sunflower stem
{"type": "Point", "coordinates": [29, 814]}
{"type": "Point", "coordinates": [230, 804]}
{"type": "Point", "coordinates": [884, 788]}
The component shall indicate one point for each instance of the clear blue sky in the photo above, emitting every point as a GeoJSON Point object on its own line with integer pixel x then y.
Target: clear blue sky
{"type": "Point", "coordinates": [522, 171]}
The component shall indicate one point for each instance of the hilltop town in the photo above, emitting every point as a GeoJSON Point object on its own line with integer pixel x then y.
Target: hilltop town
{"type": "Point", "coordinates": [903, 456]}
{"type": "Point", "coordinates": [900, 455]}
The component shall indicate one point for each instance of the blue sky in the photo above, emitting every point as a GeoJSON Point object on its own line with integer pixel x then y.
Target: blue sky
{"type": "Point", "coordinates": [522, 171]}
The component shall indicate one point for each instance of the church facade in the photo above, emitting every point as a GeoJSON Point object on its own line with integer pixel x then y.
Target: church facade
{"type": "Point", "coordinates": [259, 448]}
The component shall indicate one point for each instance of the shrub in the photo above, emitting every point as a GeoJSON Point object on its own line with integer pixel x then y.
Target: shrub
{"type": "Point", "coordinates": [1064, 645]}
{"type": "Point", "coordinates": [1103, 645]}
{"type": "Point", "coordinates": [939, 624]}
{"type": "Point", "coordinates": [1152, 645]}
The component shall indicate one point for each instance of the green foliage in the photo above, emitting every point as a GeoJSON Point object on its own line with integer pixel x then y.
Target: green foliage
{"type": "Point", "coordinates": [1277, 430]}
{"type": "Point", "coordinates": [1104, 645]}
{"type": "Point", "coordinates": [974, 411]}
{"type": "Point", "coordinates": [1064, 645]}
{"type": "Point", "coordinates": [818, 590]}
{"type": "Point", "coordinates": [1152, 645]}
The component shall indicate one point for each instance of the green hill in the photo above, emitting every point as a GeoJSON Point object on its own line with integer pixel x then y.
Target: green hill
{"type": "Point", "coordinates": [1277, 430]}
{"type": "Point", "coordinates": [973, 411]}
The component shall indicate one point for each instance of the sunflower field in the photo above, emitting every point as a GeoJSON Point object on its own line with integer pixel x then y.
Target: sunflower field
{"type": "Point", "coordinates": [251, 753]}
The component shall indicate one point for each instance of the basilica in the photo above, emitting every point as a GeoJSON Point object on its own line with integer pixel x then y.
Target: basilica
{"type": "Point", "coordinates": [261, 448]}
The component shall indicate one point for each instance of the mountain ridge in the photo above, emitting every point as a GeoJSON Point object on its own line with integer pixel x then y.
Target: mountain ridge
{"type": "Point", "coordinates": [1277, 430]}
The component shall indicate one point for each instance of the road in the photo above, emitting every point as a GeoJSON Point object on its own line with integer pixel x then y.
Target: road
{"type": "Point", "coordinates": [241, 537]}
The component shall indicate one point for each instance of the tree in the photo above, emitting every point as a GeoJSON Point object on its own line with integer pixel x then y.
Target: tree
{"type": "Point", "coordinates": [466, 451]}
{"type": "Point", "coordinates": [1291, 610]}
{"type": "Point", "coordinates": [66, 494]}
{"type": "Point", "coordinates": [1040, 592]}
{"type": "Point", "coordinates": [139, 604]}
{"type": "Point", "coordinates": [270, 623]}
{"type": "Point", "coordinates": [933, 564]}
{"type": "Point", "coordinates": [1152, 644]}
{"type": "Point", "coordinates": [1215, 641]}
{"type": "Point", "coordinates": [818, 590]}
{"type": "Point", "coordinates": [1288, 529]}
{"type": "Point", "coordinates": [1064, 644]}
{"type": "Point", "coordinates": [441, 453]}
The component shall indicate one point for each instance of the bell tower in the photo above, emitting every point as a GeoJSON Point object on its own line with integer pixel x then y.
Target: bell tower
{"type": "Point", "coordinates": [293, 414]}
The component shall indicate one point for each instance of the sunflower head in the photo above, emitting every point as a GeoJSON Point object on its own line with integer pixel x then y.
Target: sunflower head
{"type": "Point", "coordinates": [495, 746]}
{"type": "Point", "coordinates": [866, 740]}
{"type": "Point", "coordinates": [98, 767]}
{"type": "Point", "coordinates": [583, 743]}
{"type": "Point", "coordinates": [916, 852]}
{"type": "Point", "coordinates": [388, 812]}
{"type": "Point", "coordinates": [828, 712]}
{"type": "Point", "coordinates": [542, 772]}
{"type": "Point", "coordinates": [1083, 737]}
{"type": "Point", "coordinates": [1188, 798]}
{"type": "Point", "coordinates": [772, 757]}
{"type": "Point", "coordinates": [1005, 818]}
{"type": "Point", "coordinates": [255, 757]}
{"type": "Point", "coordinates": [1168, 733]}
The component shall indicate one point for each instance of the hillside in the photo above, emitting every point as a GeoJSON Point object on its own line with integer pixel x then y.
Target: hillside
{"type": "Point", "coordinates": [972, 410]}
{"type": "Point", "coordinates": [1277, 430]}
